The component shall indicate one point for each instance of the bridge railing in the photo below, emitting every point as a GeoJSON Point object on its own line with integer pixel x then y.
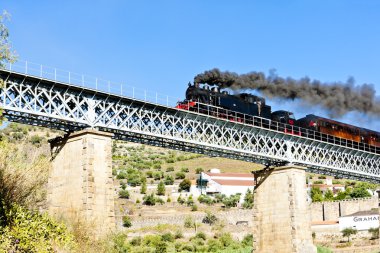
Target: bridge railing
{"type": "Point", "coordinates": [91, 82]}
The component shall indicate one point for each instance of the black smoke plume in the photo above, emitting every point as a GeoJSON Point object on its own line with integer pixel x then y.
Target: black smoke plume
{"type": "Point", "coordinates": [337, 98]}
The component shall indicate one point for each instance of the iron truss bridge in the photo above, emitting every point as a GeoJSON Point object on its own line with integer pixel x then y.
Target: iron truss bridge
{"type": "Point", "coordinates": [50, 103]}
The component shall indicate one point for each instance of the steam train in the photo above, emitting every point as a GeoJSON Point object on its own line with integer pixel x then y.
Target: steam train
{"type": "Point", "coordinates": [249, 109]}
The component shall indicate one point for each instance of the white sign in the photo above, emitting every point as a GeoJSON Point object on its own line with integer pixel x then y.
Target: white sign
{"type": "Point", "coordinates": [364, 222]}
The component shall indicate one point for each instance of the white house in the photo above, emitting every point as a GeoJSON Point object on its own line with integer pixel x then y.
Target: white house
{"type": "Point", "coordinates": [214, 182]}
{"type": "Point", "coordinates": [362, 220]}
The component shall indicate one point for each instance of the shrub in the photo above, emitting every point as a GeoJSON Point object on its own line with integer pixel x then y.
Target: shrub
{"type": "Point", "coordinates": [248, 200]}
{"type": "Point", "coordinates": [318, 182]}
{"type": "Point", "coordinates": [161, 189]}
{"type": "Point", "coordinates": [124, 194]}
{"type": "Point", "coordinates": [189, 222]}
{"type": "Point", "coordinates": [198, 170]}
{"type": "Point", "coordinates": [168, 237]}
{"type": "Point", "coordinates": [210, 218]}
{"type": "Point", "coordinates": [160, 201]}
{"type": "Point", "coordinates": [123, 185]}
{"type": "Point", "coordinates": [149, 200]}
{"type": "Point", "coordinates": [136, 241]}
{"type": "Point", "coordinates": [181, 200]}
{"type": "Point", "coordinates": [178, 234]}
{"type": "Point", "coordinates": [127, 221]}
{"type": "Point", "coordinates": [36, 140]}
{"type": "Point", "coordinates": [143, 188]}
{"type": "Point", "coordinates": [374, 232]}
{"type": "Point", "coordinates": [231, 201]}
{"type": "Point", "coordinates": [33, 232]}
{"type": "Point", "coordinates": [121, 175]}
{"type": "Point", "coordinates": [190, 201]}
{"type": "Point", "coordinates": [185, 169]}
{"type": "Point", "coordinates": [169, 169]}
{"type": "Point", "coordinates": [347, 232]}
{"type": "Point", "coordinates": [180, 175]}
{"type": "Point", "coordinates": [185, 185]}
{"type": "Point", "coordinates": [194, 208]}
{"type": "Point", "coordinates": [205, 199]}
{"type": "Point", "coordinates": [149, 174]}
{"type": "Point", "coordinates": [247, 240]}
{"type": "Point", "coordinates": [169, 180]}
{"type": "Point", "coordinates": [201, 235]}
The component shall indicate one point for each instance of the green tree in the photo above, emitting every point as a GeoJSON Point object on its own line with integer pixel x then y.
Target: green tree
{"type": "Point", "coordinates": [248, 200]}
{"type": "Point", "coordinates": [316, 195]}
{"type": "Point", "coordinates": [347, 232]}
{"type": "Point", "coordinates": [360, 192]}
{"type": "Point", "coordinates": [329, 196]}
{"type": "Point", "coordinates": [161, 188]}
{"type": "Point", "coordinates": [185, 185]}
{"type": "Point", "coordinates": [143, 188]}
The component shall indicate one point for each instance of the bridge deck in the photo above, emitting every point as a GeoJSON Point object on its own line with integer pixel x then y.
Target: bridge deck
{"type": "Point", "coordinates": [38, 101]}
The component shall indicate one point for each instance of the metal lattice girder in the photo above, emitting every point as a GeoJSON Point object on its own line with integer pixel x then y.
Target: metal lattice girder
{"type": "Point", "coordinates": [41, 102]}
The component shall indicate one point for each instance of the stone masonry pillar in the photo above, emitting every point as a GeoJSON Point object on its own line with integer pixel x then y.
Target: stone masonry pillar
{"type": "Point", "coordinates": [282, 220]}
{"type": "Point", "coordinates": [80, 183]}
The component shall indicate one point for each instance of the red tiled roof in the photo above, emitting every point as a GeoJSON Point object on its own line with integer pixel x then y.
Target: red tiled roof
{"type": "Point", "coordinates": [234, 182]}
{"type": "Point", "coordinates": [230, 174]}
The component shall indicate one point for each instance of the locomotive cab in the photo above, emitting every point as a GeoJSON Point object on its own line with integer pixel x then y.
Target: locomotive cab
{"type": "Point", "coordinates": [284, 117]}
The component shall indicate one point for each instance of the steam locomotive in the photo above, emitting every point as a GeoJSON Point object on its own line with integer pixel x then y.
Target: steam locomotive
{"type": "Point", "coordinates": [247, 108]}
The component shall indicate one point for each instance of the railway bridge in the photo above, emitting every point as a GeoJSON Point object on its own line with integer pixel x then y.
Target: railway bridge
{"type": "Point", "coordinates": [93, 112]}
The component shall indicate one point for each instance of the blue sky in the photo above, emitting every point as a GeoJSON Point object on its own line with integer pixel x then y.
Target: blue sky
{"type": "Point", "coordinates": [161, 45]}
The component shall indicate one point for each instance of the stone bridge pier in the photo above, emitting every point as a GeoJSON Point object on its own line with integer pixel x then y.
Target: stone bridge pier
{"type": "Point", "coordinates": [282, 218]}
{"type": "Point", "coordinates": [80, 184]}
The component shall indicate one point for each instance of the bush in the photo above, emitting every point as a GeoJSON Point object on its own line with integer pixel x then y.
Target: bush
{"type": "Point", "coordinates": [121, 175]}
{"type": "Point", "coordinates": [33, 232]}
{"type": "Point", "coordinates": [189, 222]}
{"type": "Point", "coordinates": [161, 189]}
{"type": "Point", "coordinates": [347, 232]}
{"type": "Point", "coordinates": [194, 208]}
{"type": "Point", "coordinates": [210, 218]}
{"type": "Point", "coordinates": [168, 237]}
{"type": "Point", "coordinates": [169, 169]}
{"type": "Point", "coordinates": [178, 234]}
{"type": "Point", "coordinates": [180, 175]}
{"type": "Point", "coordinates": [205, 199]}
{"type": "Point", "coordinates": [374, 232]}
{"type": "Point", "coordinates": [231, 201]}
{"type": "Point", "coordinates": [185, 170]}
{"type": "Point", "coordinates": [247, 240]}
{"type": "Point", "coordinates": [127, 221]}
{"type": "Point", "coordinates": [143, 188]}
{"type": "Point", "coordinates": [36, 140]}
{"type": "Point", "coordinates": [248, 200]}
{"type": "Point", "coordinates": [136, 241]}
{"type": "Point", "coordinates": [201, 235]}
{"type": "Point", "coordinates": [149, 200]}
{"type": "Point", "coordinates": [185, 185]}
{"type": "Point", "coordinates": [124, 194]}
{"type": "Point", "coordinates": [169, 180]}
{"type": "Point", "coordinates": [198, 170]}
